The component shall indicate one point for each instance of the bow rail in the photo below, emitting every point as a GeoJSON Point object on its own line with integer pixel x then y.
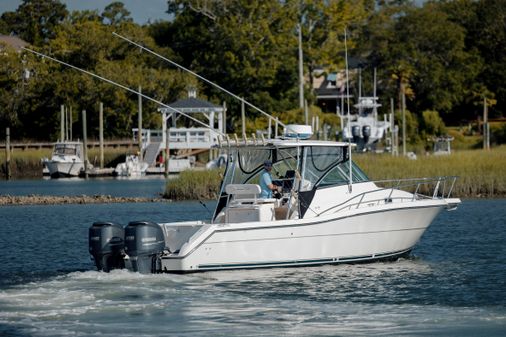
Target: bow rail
{"type": "Point", "coordinates": [420, 188]}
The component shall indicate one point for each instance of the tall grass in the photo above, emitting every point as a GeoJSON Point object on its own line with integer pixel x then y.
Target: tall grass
{"type": "Point", "coordinates": [481, 173]}
{"type": "Point", "coordinates": [24, 163]}
{"type": "Point", "coordinates": [194, 185]}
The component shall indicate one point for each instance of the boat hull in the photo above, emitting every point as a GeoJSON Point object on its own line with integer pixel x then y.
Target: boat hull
{"type": "Point", "coordinates": [64, 169]}
{"type": "Point", "coordinates": [368, 235]}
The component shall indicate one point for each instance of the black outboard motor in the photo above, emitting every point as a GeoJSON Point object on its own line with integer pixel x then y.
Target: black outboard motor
{"type": "Point", "coordinates": [355, 132]}
{"type": "Point", "coordinates": [106, 245]}
{"type": "Point", "coordinates": [144, 242]}
{"type": "Point", "coordinates": [366, 132]}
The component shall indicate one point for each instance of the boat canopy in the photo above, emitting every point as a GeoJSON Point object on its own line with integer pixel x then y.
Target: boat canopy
{"type": "Point", "coordinates": [321, 163]}
{"type": "Point", "coordinates": [298, 167]}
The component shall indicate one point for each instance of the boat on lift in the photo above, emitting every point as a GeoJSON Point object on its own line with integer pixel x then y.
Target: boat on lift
{"type": "Point", "coordinates": [364, 128]}
{"type": "Point", "coordinates": [328, 212]}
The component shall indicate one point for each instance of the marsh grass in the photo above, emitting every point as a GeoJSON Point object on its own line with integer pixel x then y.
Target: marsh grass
{"type": "Point", "coordinates": [481, 173]}
{"type": "Point", "coordinates": [24, 163]}
{"type": "Point", "coordinates": [194, 185]}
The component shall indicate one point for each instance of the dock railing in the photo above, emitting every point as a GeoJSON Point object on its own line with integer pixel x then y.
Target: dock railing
{"type": "Point", "coordinates": [420, 188]}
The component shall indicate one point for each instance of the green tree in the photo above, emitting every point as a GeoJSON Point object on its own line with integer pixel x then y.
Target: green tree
{"type": "Point", "coordinates": [247, 47]}
{"type": "Point", "coordinates": [35, 21]}
{"type": "Point", "coordinates": [432, 123]}
{"type": "Point", "coordinates": [323, 24]}
{"type": "Point", "coordinates": [424, 52]}
{"type": "Point", "coordinates": [84, 41]}
{"type": "Point", "coordinates": [487, 34]}
{"type": "Point", "coordinates": [116, 13]}
{"type": "Point", "coordinates": [12, 87]}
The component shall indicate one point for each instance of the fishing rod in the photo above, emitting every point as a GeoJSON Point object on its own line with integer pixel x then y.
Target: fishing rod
{"type": "Point", "coordinates": [197, 75]}
{"type": "Point", "coordinates": [122, 87]}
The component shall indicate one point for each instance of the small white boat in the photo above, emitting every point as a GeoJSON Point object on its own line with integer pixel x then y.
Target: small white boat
{"type": "Point", "coordinates": [132, 167]}
{"type": "Point", "coordinates": [364, 128]}
{"type": "Point", "coordinates": [67, 160]}
{"type": "Point", "coordinates": [328, 212]}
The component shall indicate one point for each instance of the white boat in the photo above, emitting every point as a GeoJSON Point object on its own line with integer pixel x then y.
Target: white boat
{"type": "Point", "coordinates": [67, 160]}
{"type": "Point", "coordinates": [324, 215]}
{"type": "Point", "coordinates": [364, 128]}
{"type": "Point", "coordinates": [132, 167]}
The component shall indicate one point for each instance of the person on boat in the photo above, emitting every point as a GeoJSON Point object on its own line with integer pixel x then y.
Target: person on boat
{"type": "Point", "coordinates": [266, 185]}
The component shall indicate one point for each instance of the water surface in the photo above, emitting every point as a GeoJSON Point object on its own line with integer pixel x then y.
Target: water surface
{"type": "Point", "coordinates": [453, 285]}
{"type": "Point", "coordinates": [147, 187]}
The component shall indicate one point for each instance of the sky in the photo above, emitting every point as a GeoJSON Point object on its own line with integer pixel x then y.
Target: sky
{"type": "Point", "coordinates": [140, 10]}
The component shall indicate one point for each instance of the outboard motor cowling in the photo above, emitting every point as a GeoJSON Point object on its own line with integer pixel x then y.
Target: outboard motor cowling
{"type": "Point", "coordinates": [106, 245]}
{"type": "Point", "coordinates": [355, 132]}
{"type": "Point", "coordinates": [366, 132]}
{"type": "Point", "coordinates": [144, 242]}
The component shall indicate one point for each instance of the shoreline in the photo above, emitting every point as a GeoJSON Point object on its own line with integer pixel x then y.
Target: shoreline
{"type": "Point", "coordinates": [33, 199]}
{"type": "Point", "coordinates": [27, 200]}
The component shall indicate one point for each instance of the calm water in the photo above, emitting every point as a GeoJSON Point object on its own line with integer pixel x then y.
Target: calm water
{"type": "Point", "coordinates": [454, 285]}
{"type": "Point", "coordinates": [150, 186]}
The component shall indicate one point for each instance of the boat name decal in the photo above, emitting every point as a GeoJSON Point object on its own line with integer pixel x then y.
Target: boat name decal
{"type": "Point", "coordinates": [150, 239]}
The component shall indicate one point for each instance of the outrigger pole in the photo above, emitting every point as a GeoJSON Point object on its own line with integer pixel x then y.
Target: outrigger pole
{"type": "Point", "coordinates": [120, 86]}
{"type": "Point", "coordinates": [198, 76]}
{"type": "Point", "coordinates": [350, 179]}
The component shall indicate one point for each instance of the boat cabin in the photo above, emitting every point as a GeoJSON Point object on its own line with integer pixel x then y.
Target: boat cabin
{"type": "Point", "coordinates": [299, 168]}
{"type": "Point", "coordinates": [68, 149]}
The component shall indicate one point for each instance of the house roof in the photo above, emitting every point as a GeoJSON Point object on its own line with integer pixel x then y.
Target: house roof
{"type": "Point", "coordinates": [13, 41]}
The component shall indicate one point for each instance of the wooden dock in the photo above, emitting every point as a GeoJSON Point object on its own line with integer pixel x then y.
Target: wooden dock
{"type": "Point", "coordinates": [127, 144]}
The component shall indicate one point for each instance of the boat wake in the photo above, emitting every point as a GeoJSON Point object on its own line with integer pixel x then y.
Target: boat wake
{"type": "Point", "coordinates": [284, 301]}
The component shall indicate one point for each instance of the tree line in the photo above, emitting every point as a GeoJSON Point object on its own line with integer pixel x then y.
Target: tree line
{"type": "Point", "coordinates": [446, 57]}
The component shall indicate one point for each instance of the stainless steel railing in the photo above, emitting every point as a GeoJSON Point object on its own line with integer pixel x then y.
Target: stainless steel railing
{"type": "Point", "coordinates": [420, 188]}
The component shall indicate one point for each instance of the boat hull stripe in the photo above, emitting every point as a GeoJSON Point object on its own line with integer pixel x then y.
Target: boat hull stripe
{"type": "Point", "coordinates": [303, 262]}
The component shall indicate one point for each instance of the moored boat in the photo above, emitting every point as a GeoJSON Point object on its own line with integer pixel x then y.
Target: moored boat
{"type": "Point", "coordinates": [67, 160]}
{"type": "Point", "coordinates": [132, 167]}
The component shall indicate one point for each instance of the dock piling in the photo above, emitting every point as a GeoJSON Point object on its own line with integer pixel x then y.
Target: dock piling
{"type": "Point", "coordinates": [101, 133]}
{"type": "Point", "coordinates": [7, 154]}
{"type": "Point", "coordinates": [85, 146]}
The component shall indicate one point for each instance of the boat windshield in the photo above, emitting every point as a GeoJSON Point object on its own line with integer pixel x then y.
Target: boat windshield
{"type": "Point", "coordinates": [65, 149]}
{"type": "Point", "coordinates": [321, 165]}
{"type": "Point", "coordinates": [339, 175]}
{"type": "Point", "coordinates": [317, 162]}
{"type": "Point", "coordinates": [246, 164]}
